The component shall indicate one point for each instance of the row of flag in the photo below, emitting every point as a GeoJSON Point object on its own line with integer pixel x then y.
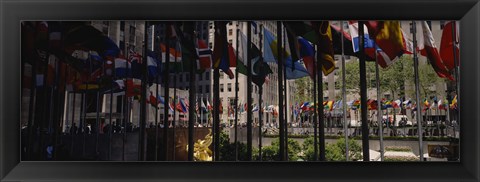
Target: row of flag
{"type": "Point", "coordinates": [373, 105]}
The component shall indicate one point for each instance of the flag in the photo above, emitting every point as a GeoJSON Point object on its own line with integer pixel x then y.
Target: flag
{"type": "Point", "coordinates": [304, 29]}
{"type": "Point", "coordinates": [196, 107]}
{"type": "Point", "coordinates": [209, 107]}
{"type": "Point", "coordinates": [388, 104]}
{"type": "Point", "coordinates": [270, 55]}
{"type": "Point", "coordinates": [356, 103]}
{"type": "Point", "coordinates": [133, 87]}
{"type": "Point", "coordinates": [426, 103]}
{"type": "Point", "coordinates": [369, 43]}
{"type": "Point", "coordinates": [153, 66]}
{"type": "Point", "coordinates": [426, 44]}
{"type": "Point", "coordinates": [187, 43]}
{"type": "Point", "coordinates": [204, 60]}
{"type": "Point", "coordinates": [171, 106]}
{"type": "Point", "coordinates": [255, 108]}
{"type": "Point", "coordinates": [307, 53]}
{"type": "Point", "coordinates": [182, 106]}
{"type": "Point", "coordinates": [453, 105]}
{"type": "Point", "coordinates": [260, 69]}
{"type": "Point", "coordinates": [396, 104]}
{"type": "Point", "coordinates": [383, 58]}
{"type": "Point", "coordinates": [293, 44]}
{"type": "Point", "coordinates": [136, 64]}
{"type": "Point", "coordinates": [204, 108]}
{"type": "Point", "coordinates": [388, 36]}
{"type": "Point", "coordinates": [221, 49]}
{"type": "Point", "coordinates": [372, 104]}
{"type": "Point", "coordinates": [330, 105]}
{"type": "Point", "coordinates": [447, 44]}
{"type": "Point", "coordinates": [174, 53]}
{"type": "Point", "coordinates": [88, 38]}
{"type": "Point", "coordinates": [440, 105]}
{"type": "Point", "coordinates": [325, 47]}
{"type": "Point", "coordinates": [337, 42]}
{"type": "Point", "coordinates": [241, 65]}
{"type": "Point", "coordinates": [304, 106]}
{"type": "Point", "coordinates": [175, 56]}
{"type": "Point", "coordinates": [153, 100]}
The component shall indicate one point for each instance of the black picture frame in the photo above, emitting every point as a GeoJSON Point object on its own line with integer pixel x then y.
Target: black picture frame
{"type": "Point", "coordinates": [12, 12]}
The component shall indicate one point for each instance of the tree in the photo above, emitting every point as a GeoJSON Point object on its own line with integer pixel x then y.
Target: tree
{"type": "Point", "coordinates": [426, 75]}
{"type": "Point", "coordinates": [333, 151]}
{"type": "Point", "coordinates": [271, 153]}
{"type": "Point", "coordinates": [352, 76]}
{"type": "Point", "coordinates": [303, 89]}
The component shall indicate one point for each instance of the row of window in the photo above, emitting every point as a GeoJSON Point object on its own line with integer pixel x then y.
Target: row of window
{"type": "Point", "coordinates": [180, 77]}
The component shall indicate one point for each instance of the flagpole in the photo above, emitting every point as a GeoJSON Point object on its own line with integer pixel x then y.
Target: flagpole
{"type": "Point", "coordinates": [379, 107]}
{"type": "Point", "coordinates": [216, 104]}
{"type": "Point", "coordinates": [457, 72]}
{"type": "Point", "coordinates": [110, 117]}
{"type": "Point", "coordinates": [344, 96]}
{"type": "Point", "coordinates": [174, 116]}
{"type": "Point", "coordinates": [191, 97]}
{"type": "Point", "coordinates": [285, 104]}
{"type": "Point", "coordinates": [260, 99]}
{"type": "Point", "coordinates": [73, 122]}
{"type": "Point", "coordinates": [249, 91]}
{"type": "Point", "coordinates": [363, 93]}
{"type": "Point", "coordinates": [125, 100]}
{"type": "Point", "coordinates": [417, 92]}
{"type": "Point", "coordinates": [280, 91]}
{"type": "Point", "coordinates": [236, 93]}
{"type": "Point", "coordinates": [321, 113]}
{"type": "Point", "coordinates": [166, 86]}
{"type": "Point", "coordinates": [316, 110]}
{"type": "Point", "coordinates": [45, 98]}
{"type": "Point", "coordinates": [85, 104]}
{"type": "Point", "coordinates": [32, 99]}
{"type": "Point", "coordinates": [157, 79]}
{"type": "Point", "coordinates": [143, 106]}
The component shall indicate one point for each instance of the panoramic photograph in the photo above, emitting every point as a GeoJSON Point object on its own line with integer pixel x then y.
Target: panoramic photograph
{"type": "Point", "coordinates": [264, 91]}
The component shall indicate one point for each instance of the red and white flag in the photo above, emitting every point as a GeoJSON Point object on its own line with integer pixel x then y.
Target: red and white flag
{"type": "Point", "coordinates": [449, 40]}
{"type": "Point", "coordinates": [204, 60]}
{"type": "Point", "coordinates": [426, 44]}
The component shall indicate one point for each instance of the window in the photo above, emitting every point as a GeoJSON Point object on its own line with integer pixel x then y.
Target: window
{"type": "Point", "coordinates": [230, 32]}
{"type": "Point", "coordinates": [229, 87]}
{"type": "Point", "coordinates": [132, 34]}
{"type": "Point", "coordinates": [411, 28]}
{"type": "Point", "coordinates": [180, 78]}
{"type": "Point", "coordinates": [221, 74]}
{"type": "Point", "coordinates": [200, 77]}
{"type": "Point", "coordinates": [442, 24]}
{"type": "Point", "coordinates": [230, 23]}
{"type": "Point", "coordinates": [207, 89]}
{"type": "Point", "coordinates": [122, 25]}
{"type": "Point", "coordinates": [199, 89]}
{"type": "Point", "coordinates": [221, 87]}
{"type": "Point", "coordinates": [187, 77]}
{"type": "Point", "coordinates": [207, 75]}
{"type": "Point", "coordinates": [230, 41]}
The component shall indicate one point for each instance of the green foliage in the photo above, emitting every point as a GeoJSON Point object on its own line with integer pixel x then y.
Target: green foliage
{"type": "Point", "coordinates": [227, 149]}
{"type": "Point", "coordinates": [303, 88]}
{"type": "Point", "coordinates": [398, 148]}
{"type": "Point", "coordinates": [333, 151]}
{"type": "Point", "coordinates": [271, 153]}
{"type": "Point", "coordinates": [399, 159]}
